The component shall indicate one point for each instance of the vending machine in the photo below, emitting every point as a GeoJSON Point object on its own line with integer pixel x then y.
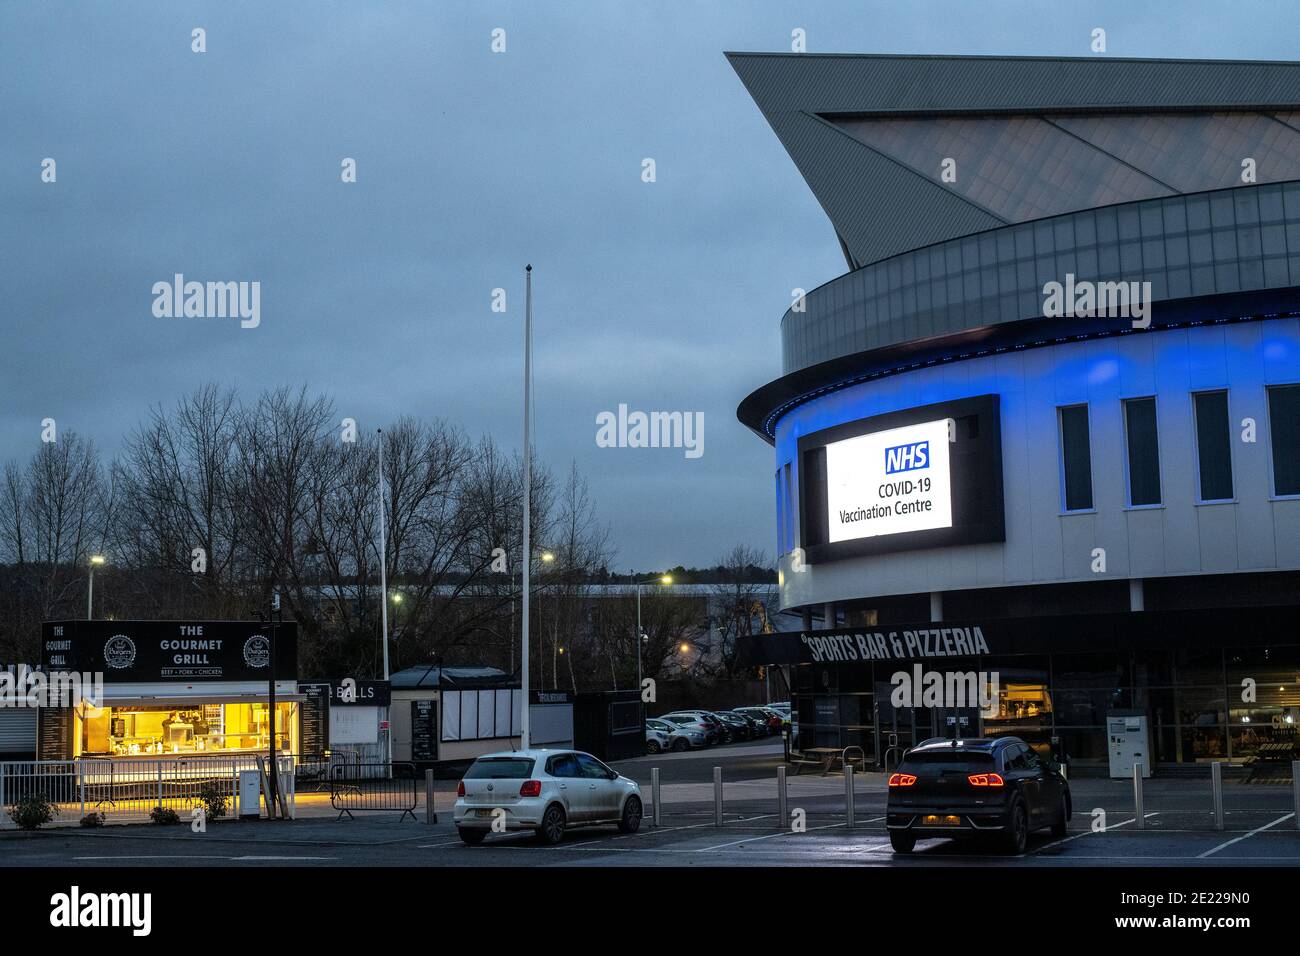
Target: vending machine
{"type": "Point", "coordinates": [1128, 743]}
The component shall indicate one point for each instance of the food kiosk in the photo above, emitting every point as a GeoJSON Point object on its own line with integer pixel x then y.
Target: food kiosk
{"type": "Point", "coordinates": [172, 688]}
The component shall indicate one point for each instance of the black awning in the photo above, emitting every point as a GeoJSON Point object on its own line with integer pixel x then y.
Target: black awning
{"type": "Point", "coordinates": [926, 640]}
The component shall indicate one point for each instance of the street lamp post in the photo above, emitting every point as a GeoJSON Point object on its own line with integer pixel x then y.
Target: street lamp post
{"type": "Point", "coordinates": [95, 559]}
{"type": "Point", "coordinates": [640, 637]}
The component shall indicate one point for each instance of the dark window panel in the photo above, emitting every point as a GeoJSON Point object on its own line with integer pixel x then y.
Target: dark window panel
{"type": "Point", "coordinates": [1143, 451]}
{"type": "Point", "coordinates": [1076, 458]}
{"type": "Point", "coordinates": [1284, 426]}
{"type": "Point", "coordinates": [1213, 444]}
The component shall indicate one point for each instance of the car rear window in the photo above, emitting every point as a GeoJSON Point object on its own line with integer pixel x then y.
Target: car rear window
{"type": "Point", "coordinates": [960, 761]}
{"type": "Point", "coordinates": [501, 768]}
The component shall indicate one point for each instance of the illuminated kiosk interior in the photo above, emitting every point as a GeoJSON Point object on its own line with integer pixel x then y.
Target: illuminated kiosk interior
{"type": "Point", "coordinates": [181, 728]}
{"type": "Point", "coordinates": [172, 688]}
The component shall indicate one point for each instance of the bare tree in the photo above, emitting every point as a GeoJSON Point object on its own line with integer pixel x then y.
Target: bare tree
{"type": "Point", "coordinates": [740, 607]}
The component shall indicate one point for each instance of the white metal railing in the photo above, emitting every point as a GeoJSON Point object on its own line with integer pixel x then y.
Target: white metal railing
{"type": "Point", "coordinates": [128, 789]}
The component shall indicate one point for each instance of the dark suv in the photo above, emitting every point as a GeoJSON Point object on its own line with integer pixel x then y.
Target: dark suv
{"type": "Point", "coordinates": [946, 788]}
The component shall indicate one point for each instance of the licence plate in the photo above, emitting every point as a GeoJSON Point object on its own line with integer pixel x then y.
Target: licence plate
{"type": "Point", "coordinates": [940, 820]}
{"type": "Point", "coordinates": [482, 813]}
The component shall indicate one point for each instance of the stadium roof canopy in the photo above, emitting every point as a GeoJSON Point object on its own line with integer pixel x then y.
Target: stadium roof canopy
{"type": "Point", "coordinates": [1027, 137]}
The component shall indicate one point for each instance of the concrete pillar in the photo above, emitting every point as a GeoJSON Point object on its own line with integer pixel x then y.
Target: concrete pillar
{"type": "Point", "coordinates": [936, 606]}
{"type": "Point", "coordinates": [828, 615]}
{"type": "Point", "coordinates": [1136, 595]}
{"type": "Point", "coordinates": [807, 619]}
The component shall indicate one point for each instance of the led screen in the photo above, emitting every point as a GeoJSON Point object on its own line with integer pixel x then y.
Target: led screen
{"type": "Point", "coordinates": [889, 482]}
{"type": "Point", "coordinates": [929, 476]}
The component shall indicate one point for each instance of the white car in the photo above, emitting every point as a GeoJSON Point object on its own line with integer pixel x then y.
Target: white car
{"type": "Point", "coordinates": [680, 736]}
{"type": "Point", "coordinates": [656, 741]}
{"type": "Point", "coordinates": [545, 791]}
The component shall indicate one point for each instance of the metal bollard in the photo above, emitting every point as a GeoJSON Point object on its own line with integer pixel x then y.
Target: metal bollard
{"type": "Point", "coordinates": [1141, 821]}
{"type": "Point", "coordinates": [654, 794]}
{"type": "Point", "coordinates": [717, 796]}
{"type": "Point", "coordinates": [848, 795]}
{"type": "Point", "coordinates": [782, 797]}
{"type": "Point", "coordinates": [1295, 790]}
{"type": "Point", "coordinates": [430, 798]}
{"type": "Point", "coordinates": [1216, 787]}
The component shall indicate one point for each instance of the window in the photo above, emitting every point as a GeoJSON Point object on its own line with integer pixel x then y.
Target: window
{"type": "Point", "coordinates": [953, 761]}
{"type": "Point", "coordinates": [592, 769]}
{"type": "Point", "coordinates": [1213, 449]}
{"type": "Point", "coordinates": [184, 729]}
{"type": "Point", "coordinates": [1076, 458]}
{"type": "Point", "coordinates": [564, 765]}
{"type": "Point", "coordinates": [500, 768]}
{"type": "Point", "coordinates": [780, 515]}
{"type": "Point", "coordinates": [1143, 451]}
{"type": "Point", "coordinates": [1284, 429]}
{"type": "Point", "coordinates": [788, 513]}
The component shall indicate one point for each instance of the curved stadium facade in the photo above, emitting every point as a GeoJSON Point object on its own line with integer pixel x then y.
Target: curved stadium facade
{"type": "Point", "coordinates": [1099, 504]}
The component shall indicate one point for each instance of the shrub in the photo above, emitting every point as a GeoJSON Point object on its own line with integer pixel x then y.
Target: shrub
{"type": "Point", "coordinates": [33, 811]}
{"type": "Point", "coordinates": [214, 800]}
{"type": "Point", "coordinates": [93, 819]}
{"type": "Point", "coordinates": [164, 816]}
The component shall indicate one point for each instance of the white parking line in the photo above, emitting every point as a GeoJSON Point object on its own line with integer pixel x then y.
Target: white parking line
{"type": "Point", "coordinates": [1245, 836]}
{"type": "Point", "coordinates": [646, 832]}
{"type": "Point", "coordinates": [720, 846]}
{"type": "Point", "coordinates": [1114, 826]}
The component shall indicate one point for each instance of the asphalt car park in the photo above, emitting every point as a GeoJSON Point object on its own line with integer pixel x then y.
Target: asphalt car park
{"type": "Point", "coordinates": [1178, 830]}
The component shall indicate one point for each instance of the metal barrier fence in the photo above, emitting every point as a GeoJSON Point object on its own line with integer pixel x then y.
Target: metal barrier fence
{"type": "Point", "coordinates": [859, 800]}
{"type": "Point", "coordinates": [125, 790]}
{"type": "Point", "coordinates": [374, 786]}
{"type": "Point", "coordinates": [313, 771]}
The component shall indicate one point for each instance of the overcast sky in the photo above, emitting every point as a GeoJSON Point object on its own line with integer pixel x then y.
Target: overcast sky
{"type": "Point", "coordinates": [664, 296]}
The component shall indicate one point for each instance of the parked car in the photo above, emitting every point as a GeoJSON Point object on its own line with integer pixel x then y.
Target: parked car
{"type": "Point", "coordinates": [965, 788]}
{"type": "Point", "coordinates": [740, 727]}
{"type": "Point", "coordinates": [728, 732]}
{"type": "Point", "coordinates": [770, 719]}
{"type": "Point", "coordinates": [680, 736]}
{"type": "Point", "coordinates": [713, 729]}
{"type": "Point", "coordinates": [783, 711]}
{"type": "Point", "coordinates": [757, 727]}
{"type": "Point", "coordinates": [656, 741]}
{"type": "Point", "coordinates": [546, 791]}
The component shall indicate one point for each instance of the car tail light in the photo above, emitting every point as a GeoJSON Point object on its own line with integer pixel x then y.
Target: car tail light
{"type": "Point", "coordinates": [531, 788]}
{"type": "Point", "coordinates": [985, 780]}
{"type": "Point", "coordinates": [460, 789]}
{"type": "Point", "coordinates": [901, 779]}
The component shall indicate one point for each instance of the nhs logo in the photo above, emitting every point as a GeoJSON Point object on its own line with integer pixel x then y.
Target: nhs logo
{"type": "Point", "coordinates": [907, 457]}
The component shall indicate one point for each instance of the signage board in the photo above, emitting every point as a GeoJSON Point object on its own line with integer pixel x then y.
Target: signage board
{"type": "Point", "coordinates": [921, 477]}
{"type": "Point", "coordinates": [353, 693]}
{"type": "Point", "coordinates": [424, 730]}
{"type": "Point", "coordinates": [176, 651]}
{"type": "Point", "coordinates": [314, 722]}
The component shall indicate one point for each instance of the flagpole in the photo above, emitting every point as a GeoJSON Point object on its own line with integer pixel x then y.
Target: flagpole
{"type": "Point", "coordinates": [383, 576]}
{"type": "Point", "coordinates": [528, 490]}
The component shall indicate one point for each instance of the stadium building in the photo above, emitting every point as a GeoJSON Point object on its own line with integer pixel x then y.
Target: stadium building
{"type": "Point", "coordinates": [1047, 425]}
